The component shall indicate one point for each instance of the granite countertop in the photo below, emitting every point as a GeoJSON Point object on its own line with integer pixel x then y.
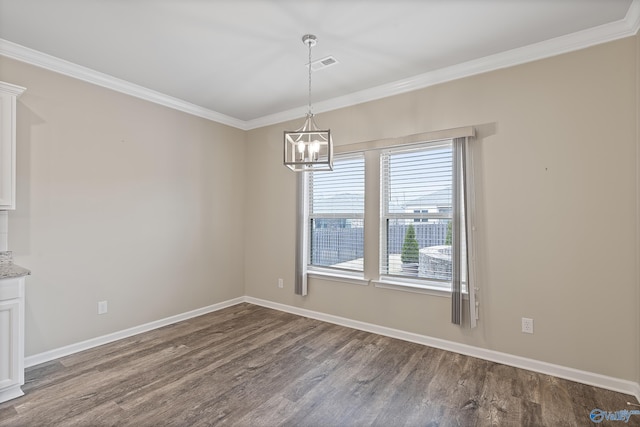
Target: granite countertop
{"type": "Point", "coordinates": [9, 270]}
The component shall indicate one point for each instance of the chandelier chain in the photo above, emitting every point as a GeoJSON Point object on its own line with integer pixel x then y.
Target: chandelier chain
{"type": "Point", "coordinates": [309, 65]}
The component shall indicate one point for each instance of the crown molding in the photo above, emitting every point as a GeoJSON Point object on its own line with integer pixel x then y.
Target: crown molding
{"type": "Point", "coordinates": [633, 17]}
{"type": "Point", "coordinates": [48, 62]}
{"type": "Point", "coordinates": [14, 90]}
{"type": "Point", "coordinates": [626, 27]}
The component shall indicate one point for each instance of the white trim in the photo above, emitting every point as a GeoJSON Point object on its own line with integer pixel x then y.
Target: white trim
{"type": "Point", "coordinates": [47, 356]}
{"type": "Point", "coordinates": [12, 89]}
{"type": "Point", "coordinates": [51, 63]}
{"type": "Point", "coordinates": [584, 377]}
{"type": "Point", "coordinates": [410, 287]}
{"type": "Point", "coordinates": [337, 276]}
{"type": "Point", "coordinates": [636, 392]}
{"type": "Point", "coordinates": [632, 19]}
{"type": "Point", "coordinates": [626, 27]}
{"type": "Point", "coordinates": [10, 394]}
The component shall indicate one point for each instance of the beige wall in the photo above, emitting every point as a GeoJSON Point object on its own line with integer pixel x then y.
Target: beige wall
{"type": "Point", "coordinates": [557, 192]}
{"type": "Point", "coordinates": [638, 191]}
{"type": "Point", "coordinates": [122, 200]}
{"type": "Point", "coordinates": [131, 202]}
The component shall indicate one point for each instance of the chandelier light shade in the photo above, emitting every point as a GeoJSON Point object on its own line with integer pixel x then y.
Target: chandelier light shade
{"type": "Point", "coordinates": [308, 148]}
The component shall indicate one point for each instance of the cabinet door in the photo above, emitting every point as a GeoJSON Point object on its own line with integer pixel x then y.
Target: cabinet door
{"type": "Point", "coordinates": [9, 343]}
{"type": "Point", "coordinates": [7, 150]}
{"type": "Point", "coordinates": [8, 95]}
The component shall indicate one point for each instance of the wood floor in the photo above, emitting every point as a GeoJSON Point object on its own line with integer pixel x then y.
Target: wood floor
{"type": "Point", "coordinates": [251, 366]}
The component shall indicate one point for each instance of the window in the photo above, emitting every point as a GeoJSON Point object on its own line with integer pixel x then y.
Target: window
{"type": "Point", "coordinates": [336, 215]}
{"type": "Point", "coordinates": [416, 213]}
{"type": "Point", "coordinates": [425, 183]}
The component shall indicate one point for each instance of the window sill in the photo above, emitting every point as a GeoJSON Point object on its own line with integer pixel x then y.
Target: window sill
{"type": "Point", "coordinates": [382, 283]}
{"type": "Point", "coordinates": [338, 276]}
{"type": "Point", "coordinates": [410, 287]}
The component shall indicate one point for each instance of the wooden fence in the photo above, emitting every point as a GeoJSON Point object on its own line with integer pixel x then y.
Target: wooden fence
{"type": "Point", "coordinates": [330, 246]}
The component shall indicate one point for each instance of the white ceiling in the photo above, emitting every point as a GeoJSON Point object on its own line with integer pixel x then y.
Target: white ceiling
{"type": "Point", "coordinates": [243, 62]}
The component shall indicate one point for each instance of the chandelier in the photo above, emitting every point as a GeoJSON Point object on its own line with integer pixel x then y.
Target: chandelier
{"type": "Point", "coordinates": [309, 148]}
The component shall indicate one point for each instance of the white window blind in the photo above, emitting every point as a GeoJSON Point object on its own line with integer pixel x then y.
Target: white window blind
{"type": "Point", "coordinates": [336, 215]}
{"type": "Point", "coordinates": [416, 213]}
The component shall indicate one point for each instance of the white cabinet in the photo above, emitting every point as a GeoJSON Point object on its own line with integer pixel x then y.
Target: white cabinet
{"type": "Point", "coordinates": [8, 95]}
{"type": "Point", "coordinates": [11, 337]}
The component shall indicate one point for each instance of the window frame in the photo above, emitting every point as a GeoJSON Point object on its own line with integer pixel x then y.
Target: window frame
{"type": "Point", "coordinates": [322, 270]}
{"type": "Point", "coordinates": [372, 252]}
{"type": "Point", "coordinates": [392, 280]}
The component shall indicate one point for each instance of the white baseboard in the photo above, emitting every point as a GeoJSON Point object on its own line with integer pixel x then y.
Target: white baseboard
{"type": "Point", "coordinates": [584, 377]}
{"type": "Point", "coordinates": [47, 356]}
{"type": "Point", "coordinates": [636, 392]}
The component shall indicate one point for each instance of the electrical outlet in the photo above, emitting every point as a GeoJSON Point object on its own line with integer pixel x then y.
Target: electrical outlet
{"type": "Point", "coordinates": [102, 307]}
{"type": "Point", "coordinates": [280, 283]}
{"type": "Point", "coordinates": [527, 325]}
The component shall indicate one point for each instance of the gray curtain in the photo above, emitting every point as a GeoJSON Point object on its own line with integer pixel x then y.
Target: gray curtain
{"type": "Point", "coordinates": [301, 237]}
{"type": "Point", "coordinates": [463, 230]}
{"type": "Point", "coordinates": [458, 228]}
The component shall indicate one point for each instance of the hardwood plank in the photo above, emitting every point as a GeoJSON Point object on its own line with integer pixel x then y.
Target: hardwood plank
{"type": "Point", "coordinates": [557, 402]}
{"type": "Point", "coordinates": [252, 366]}
{"type": "Point", "coordinates": [499, 404]}
{"type": "Point", "coordinates": [415, 400]}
